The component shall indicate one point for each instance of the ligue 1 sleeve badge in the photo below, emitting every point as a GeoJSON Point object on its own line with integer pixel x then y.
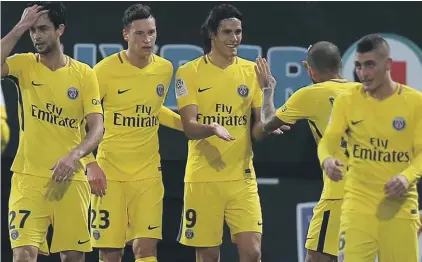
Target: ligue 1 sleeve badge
{"type": "Point", "coordinates": [160, 90]}
{"type": "Point", "coordinates": [399, 123]}
{"type": "Point", "coordinates": [243, 91]}
{"type": "Point", "coordinates": [72, 93]}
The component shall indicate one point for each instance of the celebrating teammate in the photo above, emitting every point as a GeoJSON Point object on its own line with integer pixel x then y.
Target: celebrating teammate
{"type": "Point", "coordinates": [383, 123]}
{"type": "Point", "coordinates": [56, 95]}
{"type": "Point", "coordinates": [5, 132]}
{"type": "Point", "coordinates": [314, 103]}
{"type": "Point", "coordinates": [133, 86]}
{"type": "Point", "coordinates": [216, 94]}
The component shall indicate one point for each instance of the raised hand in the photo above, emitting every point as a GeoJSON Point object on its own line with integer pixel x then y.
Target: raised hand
{"type": "Point", "coordinates": [263, 74]}
{"type": "Point", "coordinates": [30, 16]}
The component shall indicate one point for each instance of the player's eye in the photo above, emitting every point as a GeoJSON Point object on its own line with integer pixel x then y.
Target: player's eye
{"type": "Point", "coordinates": [238, 32]}
{"type": "Point", "coordinates": [151, 32]}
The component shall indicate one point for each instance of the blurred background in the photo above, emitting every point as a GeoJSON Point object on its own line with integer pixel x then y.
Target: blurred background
{"type": "Point", "coordinates": [287, 166]}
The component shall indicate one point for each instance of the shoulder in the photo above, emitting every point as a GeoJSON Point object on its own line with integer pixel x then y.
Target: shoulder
{"type": "Point", "coordinates": [163, 64]}
{"type": "Point", "coordinates": [246, 65]}
{"type": "Point", "coordinates": [79, 68]}
{"type": "Point", "coordinates": [411, 92]}
{"type": "Point", "coordinates": [191, 66]}
{"type": "Point", "coordinates": [22, 59]}
{"type": "Point", "coordinates": [108, 64]}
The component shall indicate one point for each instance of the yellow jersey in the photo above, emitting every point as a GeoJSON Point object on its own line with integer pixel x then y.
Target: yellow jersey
{"type": "Point", "coordinates": [384, 140]}
{"type": "Point", "coordinates": [225, 96]}
{"type": "Point", "coordinates": [132, 100]}
{"type": "Point", "coordinates": [52, 110]}
{"type": "Point", "coordinates": [5, 133]}
{"type": "Point", "coordinates": [314, 103]}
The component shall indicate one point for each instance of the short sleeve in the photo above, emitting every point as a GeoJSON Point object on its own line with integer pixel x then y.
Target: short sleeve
{"type": "Point", "coordinates": [91, 95]}
{"type": "Point", "coordinates": [184, 87]}
{"type": "Point", "coordinates": [257, 96]}
{"type": "Point", "coordinates": [298, 106]}
{"type": "Point", "coordinates": [19, 62]}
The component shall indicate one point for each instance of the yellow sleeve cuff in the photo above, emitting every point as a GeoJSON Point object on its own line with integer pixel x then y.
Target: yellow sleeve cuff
{"type": "Point", "coordinates": [170, 119]}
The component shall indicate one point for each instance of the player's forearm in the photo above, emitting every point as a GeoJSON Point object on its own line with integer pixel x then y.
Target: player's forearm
{"type": "Point", "coordinates": [88, 160]}
{"type": "Point", "coordinates": [170, 119]}
{"type": "Point", "coordinates": [194, 130]}
{"type": "Point", "coordinates": [328, 145]}
{"type": "Point", "coordinates": [414, 171]}
{"type": "Point", "coordinates": [93, 136]}
{"type": "Point", "coordinates": [9, 41]}
{"type": "Point", "coordinates": [258, 132]}
{"type": "Point", "coordinates": [268, 109]}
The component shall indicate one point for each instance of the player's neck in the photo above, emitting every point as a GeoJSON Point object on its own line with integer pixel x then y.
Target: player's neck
{"type": "Point", "coordinates": [220, 61]}
{"type": "Point", "coordinates": [385, 90]}
{"type": "Point", "coordinates": [140, 62]}
{"type": "Point", "coordinates": [54, 60]}
{"type": "Point", "coordinates": [329, 77]}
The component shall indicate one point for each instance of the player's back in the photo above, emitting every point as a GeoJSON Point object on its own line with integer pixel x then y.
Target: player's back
{"type": "Point", "coordinates": [315, 103]}
{"type": "Point", "coordinates": [225, 96]}
{"type": "Point", "coordinates": [52, 106]}
{"type": "Point", "coordinates": [381, 143]}
{"type": "Point", "coordinates": [132, 99]}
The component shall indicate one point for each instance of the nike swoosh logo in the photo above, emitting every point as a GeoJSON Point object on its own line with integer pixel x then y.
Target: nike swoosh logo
{"type": "Point", "coordinates": [122, 91]}
{"type": "Point", "coordinates": [259, 223]}
{"type": "Point", "coordinates": [151, 228]}
{"type": "Point", "coordinates": [35, 84]}
{"type": "Point", "coordinates": [82, 242]}
{"type": "Point", "coordinates": [204, 89]}
{"type": "Point", "coordinates": [356, 122]}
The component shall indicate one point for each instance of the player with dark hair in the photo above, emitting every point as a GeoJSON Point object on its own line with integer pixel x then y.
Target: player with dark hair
{"type": "Point", "coordinates": [314, 103]}
{"type": "Point", "coordinates": [382, 120]}
{"type": "Point", "coordinates": [56, 96]}
{"type": "Point", "coordinates": [216, 95]}
{"type": "Point", "coordinates": [133, 86]}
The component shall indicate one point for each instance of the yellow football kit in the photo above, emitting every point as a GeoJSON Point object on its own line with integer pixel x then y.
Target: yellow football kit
{"type": "Point", "coordinates": [52, 108]}
{"type": "Point", "coordinates": [383, 141]}
{"type": "Point", "coordinates": [5, 132]}
{"type": "Point", "coordinates": [315, 103]}
{"type": "Point", "coordinates": [129, 152]}
{"type": "Point", "coordinates": [220, 178]}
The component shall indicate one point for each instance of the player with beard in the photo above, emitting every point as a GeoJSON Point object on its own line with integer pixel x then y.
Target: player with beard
{"type": "Point", "coordinates": [382, 120]}
{"type": "Point", "coordinates": [216, 96]}
{"type": "Point", "coordinates": [56, 96]}
{"type": "Point", "coordinates": [314, 103]}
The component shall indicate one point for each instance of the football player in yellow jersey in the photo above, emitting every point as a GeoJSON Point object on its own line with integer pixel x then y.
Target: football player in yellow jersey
{"type": "Point", "coordinates": [314, 103]}
{"type": "Point", "coordinates": [56, 95]}
{"type": "Point", "coordinates": [5, 132]}
{"type": "Point", "coordinates": [216, 95]}
{"type": "Point", "coordinates": [383, 123]}
{"type": "Point", "coordinates": [133, 86]}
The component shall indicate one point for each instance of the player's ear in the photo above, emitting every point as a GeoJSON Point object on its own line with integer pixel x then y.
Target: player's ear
{"type": "Point", "coordinates": [60, 30]}
{"type": "Point", "coordinates": [305, 64]}
{"type": "Point", "coordinates": [125, 34]}
{"type": "Point", "coordinates": [211, 35]}
{"type": "Point", "coordinates": [389, 63]}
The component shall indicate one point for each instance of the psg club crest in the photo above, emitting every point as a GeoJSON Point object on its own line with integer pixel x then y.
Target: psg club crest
{"type": "Point", "coordinates": [243, 91]}
{"type": "Point", "coordinates": [14, 234]}
{"type": "Point", "coordinates": [160, 90]}
{"type": "Point", "coordinates": [399, 123]}
{"type": "Point", "coordinates": [96, 234]}
{"type": "Point", "coordinates": [72, 93]}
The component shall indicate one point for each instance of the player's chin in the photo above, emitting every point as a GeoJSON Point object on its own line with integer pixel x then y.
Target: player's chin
{"type": "Point", "coordinates": [368, 87]}
{"type": "Point", "coordinates": [232, 52]}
